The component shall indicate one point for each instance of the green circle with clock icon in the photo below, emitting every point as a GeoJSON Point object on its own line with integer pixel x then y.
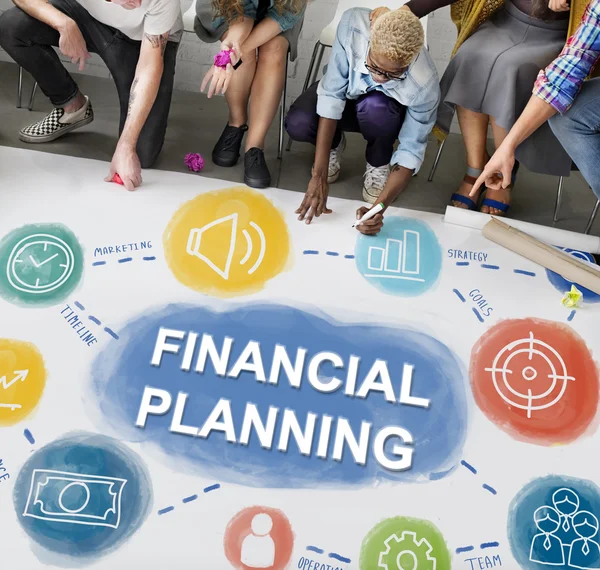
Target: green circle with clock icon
{"type": "Point", "coordinates": [40, 264]}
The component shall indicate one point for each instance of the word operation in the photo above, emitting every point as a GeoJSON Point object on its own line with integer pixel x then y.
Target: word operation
{"type": "Point", "coordinates": [308, 564]}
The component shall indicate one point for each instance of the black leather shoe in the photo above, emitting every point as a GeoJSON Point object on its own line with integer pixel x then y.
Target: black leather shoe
{"type": "Point", "coordinates": [256, 171]}
{"type": "Point", "coordinates": [227, 150]}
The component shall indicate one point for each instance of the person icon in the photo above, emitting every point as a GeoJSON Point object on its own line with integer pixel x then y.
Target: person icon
{"type": "Point", "coordinates": [585, 552]}
{"type": "Point", "coordinates": [545, 547]}
{"type": "Point", "coordinates": [258, 548]}
{"type": "Point", "coordinates": [566, 502]}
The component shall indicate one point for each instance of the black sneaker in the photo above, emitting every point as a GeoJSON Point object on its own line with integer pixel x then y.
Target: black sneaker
{"type": "Point", "coordinates": [256, 171]}
{"type": "Point", "coordinates": [227, 150]}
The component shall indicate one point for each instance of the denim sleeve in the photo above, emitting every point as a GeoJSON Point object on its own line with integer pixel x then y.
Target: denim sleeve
{"type": "Point", "coordinates": [250, 9]}
{"type": "Point", "coordinates": [418, 123]}
{"type": "Point", "coordinates": [333, 87]}
{"type": "Point", "coordinates": [287, 19]}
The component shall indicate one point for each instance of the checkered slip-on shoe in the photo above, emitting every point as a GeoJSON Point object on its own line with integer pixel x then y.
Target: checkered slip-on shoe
{"type": "Point", "coordinates": [57, 124]}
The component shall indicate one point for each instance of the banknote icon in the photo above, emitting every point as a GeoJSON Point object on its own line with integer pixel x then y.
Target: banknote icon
{"type": "Point", "coordinates": [75, 498]}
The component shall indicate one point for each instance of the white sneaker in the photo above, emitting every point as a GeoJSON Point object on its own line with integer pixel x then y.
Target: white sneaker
{"type": "Point", "coordinates": [335, 158]}
{"type": "Point", "coordinates": [57, 123]}
{"type": "Point", "coordinates": [375, 179]}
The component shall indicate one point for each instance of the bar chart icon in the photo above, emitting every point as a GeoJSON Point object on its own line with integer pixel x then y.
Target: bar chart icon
{"type": "Point", "coordinates": [399, 259]}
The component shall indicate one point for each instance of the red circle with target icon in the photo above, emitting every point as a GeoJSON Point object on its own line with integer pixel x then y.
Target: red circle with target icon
{"type": "Point", "coordinates": [536, 380]}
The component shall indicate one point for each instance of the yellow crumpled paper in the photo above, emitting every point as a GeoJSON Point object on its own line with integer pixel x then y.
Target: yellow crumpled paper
{"type": "Point", "coordinates": [572, 298]}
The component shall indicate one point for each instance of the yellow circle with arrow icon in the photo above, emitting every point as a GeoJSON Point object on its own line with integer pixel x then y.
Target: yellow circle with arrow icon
{"type": "Point", "coordinates": [22, 380]}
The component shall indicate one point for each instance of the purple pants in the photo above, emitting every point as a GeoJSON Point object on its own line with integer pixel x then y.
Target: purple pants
{"type": "Point", "coordinates": [375, 115]}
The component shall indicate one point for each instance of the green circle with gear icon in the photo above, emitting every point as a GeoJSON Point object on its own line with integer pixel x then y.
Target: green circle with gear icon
{"type": "Point", "coordinates": [403, 543]}
{"type": "Point", "coordinates": [40, 265]}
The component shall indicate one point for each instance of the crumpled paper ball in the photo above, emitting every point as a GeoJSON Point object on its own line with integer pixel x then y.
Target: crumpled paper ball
{"type": "Point", "coordinates": [223, 58]}
{"type": "Point", "coordinates": [194, 161]}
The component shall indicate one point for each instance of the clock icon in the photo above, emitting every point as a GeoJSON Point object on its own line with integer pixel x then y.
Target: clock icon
{"type": "Point", "coordinates": [39, 263]}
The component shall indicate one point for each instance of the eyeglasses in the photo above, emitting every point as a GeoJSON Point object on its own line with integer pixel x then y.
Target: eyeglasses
{"type": "Point", "coordinates": [385, 74]}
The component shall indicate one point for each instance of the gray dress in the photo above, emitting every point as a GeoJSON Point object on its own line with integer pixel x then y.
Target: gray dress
{"type": "Point", "coordinates": [493, 72]}
{"type": "Point", "coordinates": [210, 28]}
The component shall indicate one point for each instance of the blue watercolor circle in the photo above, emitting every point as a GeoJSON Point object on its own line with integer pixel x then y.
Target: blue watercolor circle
{"type": "Point", "coordinates": [404, 259]}
{"type": "Point", "coordinates": [563, 285]}
{"type": "Point", "coordinates": [121, 375]}
{"type": "Point", "coordinates": [82, 496]}
{"type": "Point", "coordinates": [553, 522]}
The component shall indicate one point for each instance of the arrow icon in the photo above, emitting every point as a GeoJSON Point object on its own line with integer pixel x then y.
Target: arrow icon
{"type": "Point", "coordinates": [19, 375]}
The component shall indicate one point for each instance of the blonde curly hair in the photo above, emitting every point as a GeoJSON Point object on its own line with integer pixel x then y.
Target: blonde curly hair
{"type": "Point", "coordinates": [234, 9]}
{"type": "Point", "coordinates": [397, 36]}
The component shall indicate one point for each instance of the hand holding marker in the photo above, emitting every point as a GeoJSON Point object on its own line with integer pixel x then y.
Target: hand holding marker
{"type": "Point", "coordinates": [370, 214]}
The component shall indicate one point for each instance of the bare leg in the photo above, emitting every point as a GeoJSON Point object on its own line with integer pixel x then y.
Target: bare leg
{"type": "Point", "coordinates": [266, 90]}
{"type": "Point", "coordinates": [238, 92]}
{"type": "Point", "coordinates": [503, 195]}
{"type": "Point", "coordinates": [474, 128]}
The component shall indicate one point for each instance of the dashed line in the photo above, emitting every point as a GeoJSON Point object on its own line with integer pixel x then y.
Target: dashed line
{"type": "Point", "coordinates": [311, 252]}
{"type": "Point", "coordinates": [489, 545]}
{"type": "Point", "coordinates": [464, 549]}
{"type": "Point", "coordinates": [469, 467]}
{"type": "Point", "coordinates": [459, 295]}
{"type": "Point", "coordinates": [571, 315]}
{"type": "Point", "coordinates": [490, 489]}
{"type": "Point", "coordinates": [486, 266]}
{"type": "Point", "coordinates": [348, 257]}
{"type": "Point", "coordinates": [125, 260]}
{"type": "Point", "coordinates": [330, 253]}
{"type": "Point", "coordinates": [462, 263]}
{"type": "Point", "coordinates": [79, 306]}
{"type": "Point", "coordinates": [315, 549]}
{"type": "Point", "coordinates": [339, 557]}
{"type": "Point", "coordinates": [96, 263]}
{"type": "Point", "coordinates": [189, 499]}
{"type": "Point", "coordinates": [28, 436]}
{"type": "Point", "coordinates": [478, 314]}
{"type": "Point", "coordinates": [149, 258]}
{"type": "Point", "coordinates": [94, 320]}
{"type": "Point", "coordinates": [111, 333]}
{"type": "Point", "coordinates": [523, 272]}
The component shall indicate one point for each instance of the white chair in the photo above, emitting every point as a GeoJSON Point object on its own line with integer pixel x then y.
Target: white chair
{"type": "Point", "coordinates": [188, 25]}
{"type": "Point", "coordinates": [20, 91]}
{"type": "Point", "coordinates": [327, 36]}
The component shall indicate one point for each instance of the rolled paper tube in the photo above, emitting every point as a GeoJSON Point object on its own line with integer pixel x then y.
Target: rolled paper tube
{"type": "Point", "coordinates": [570, 268]}
{"type": "Point", "coordinates": [552, 236]}
{"type": "Point", "coordinates": [223, 58]}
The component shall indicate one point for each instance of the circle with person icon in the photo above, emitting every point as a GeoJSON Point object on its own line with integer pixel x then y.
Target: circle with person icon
{"type": "Point", "coordinates": [553, 522]}
{"type": "Point", "coordinates": [259, 537]}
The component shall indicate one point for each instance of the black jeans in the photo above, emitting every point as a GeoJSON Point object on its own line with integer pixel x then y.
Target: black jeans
{"type": "Point", "coordinates": [29, 42]}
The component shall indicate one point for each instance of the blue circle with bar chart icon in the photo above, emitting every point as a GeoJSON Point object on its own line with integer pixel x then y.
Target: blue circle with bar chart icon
{"type": "Point", "coordinates": [82, 497]}
{"type": "Point", "coordinates": [404, 259]}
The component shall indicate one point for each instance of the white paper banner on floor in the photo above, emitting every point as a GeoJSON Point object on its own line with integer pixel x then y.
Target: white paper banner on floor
{"type": "Point", "coordinates": [192, 378]}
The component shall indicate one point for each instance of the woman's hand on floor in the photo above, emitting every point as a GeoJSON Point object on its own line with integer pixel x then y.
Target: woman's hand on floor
{"type": "Point", "coordinates": [219, 77]}
{"type": "Point", "coordinates": [315, 199]}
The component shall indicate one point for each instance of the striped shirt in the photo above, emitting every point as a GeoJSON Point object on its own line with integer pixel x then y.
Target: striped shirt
{"type": "Point", "coordinates": [560, 83]}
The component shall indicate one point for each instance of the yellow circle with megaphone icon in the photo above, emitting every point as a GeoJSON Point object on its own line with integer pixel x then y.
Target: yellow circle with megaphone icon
{"type": "Point", "coordinates": [227, 243]}
{"type": "Point", "coordinates": [22, 380]}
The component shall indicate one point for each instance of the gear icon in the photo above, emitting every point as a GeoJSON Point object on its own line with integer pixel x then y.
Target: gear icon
{"type": "Point", "coordinates": [407, 553]}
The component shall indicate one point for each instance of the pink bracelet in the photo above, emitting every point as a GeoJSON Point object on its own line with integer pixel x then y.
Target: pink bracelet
{"type": "Point", "coordinates": [223, 58]}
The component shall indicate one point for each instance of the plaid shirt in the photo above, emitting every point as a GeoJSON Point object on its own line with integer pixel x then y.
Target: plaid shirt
{"type": "Point", "coordinates": [560, 83]}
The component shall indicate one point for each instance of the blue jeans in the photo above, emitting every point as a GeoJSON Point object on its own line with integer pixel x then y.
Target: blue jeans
{"type": "Point", "coordinates": [579, 132]}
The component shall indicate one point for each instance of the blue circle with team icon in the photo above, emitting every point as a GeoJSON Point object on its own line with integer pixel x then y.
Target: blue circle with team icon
{"type": "Point", "coordinates": [563, 285]}
{"type": "Point", "coordinates": [82, 496]}
{"type": "Point", "coordinates": [404, 259]}
{"type": "Point", "coordinates": [554, 523]}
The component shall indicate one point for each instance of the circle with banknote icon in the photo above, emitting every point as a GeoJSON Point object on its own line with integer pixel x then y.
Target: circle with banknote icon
{"type": "Point", "coordinates": [82, 496]}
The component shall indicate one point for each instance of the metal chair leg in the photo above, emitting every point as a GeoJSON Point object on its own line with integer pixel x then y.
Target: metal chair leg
{"type": "Point", "coordinates": [282, 112]}
{"type": "Point", "coordinates": [33, 92]}
{"type": "Point", "coordinates": [19, 87]}
{"type": "Point", "coordinates": [436, 161]}
{"type": "Point", "coordinates": [592, 217]}
{"type": "Point", "coordinates": [309, 73]}
{"type": "Point", "coordinates": [559, 195]}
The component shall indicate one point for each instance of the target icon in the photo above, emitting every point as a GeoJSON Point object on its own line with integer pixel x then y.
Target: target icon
{"type": "Point", "coordinates": [530, 375]}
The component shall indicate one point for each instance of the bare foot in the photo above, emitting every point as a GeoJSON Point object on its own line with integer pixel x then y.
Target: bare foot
{"type": "Point", "coordinates": [503, 195]}
{"type": "Point", "coordinates": [75, 104]}
{"type": "Point", "coordinates": [463, 190]}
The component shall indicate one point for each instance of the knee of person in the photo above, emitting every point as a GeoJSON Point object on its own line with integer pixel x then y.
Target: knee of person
{"type": "Point", "coordinates": [376, 109]}
{"type": "Point", "coordinates": [274, 50]}
{"type": "Point", "coordinates": [296, 124]}
{"type": "Point", "coordinates": [11, 25]}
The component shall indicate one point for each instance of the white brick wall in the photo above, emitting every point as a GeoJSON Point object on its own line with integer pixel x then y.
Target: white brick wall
{"type": "Point", "coordinates": [194, 56]}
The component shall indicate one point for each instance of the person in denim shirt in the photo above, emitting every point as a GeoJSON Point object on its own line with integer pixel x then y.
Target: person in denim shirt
{"type": "Point", "coordinates": [381, 83]}
{"type": "Point", "coordinates": [261, 33]}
